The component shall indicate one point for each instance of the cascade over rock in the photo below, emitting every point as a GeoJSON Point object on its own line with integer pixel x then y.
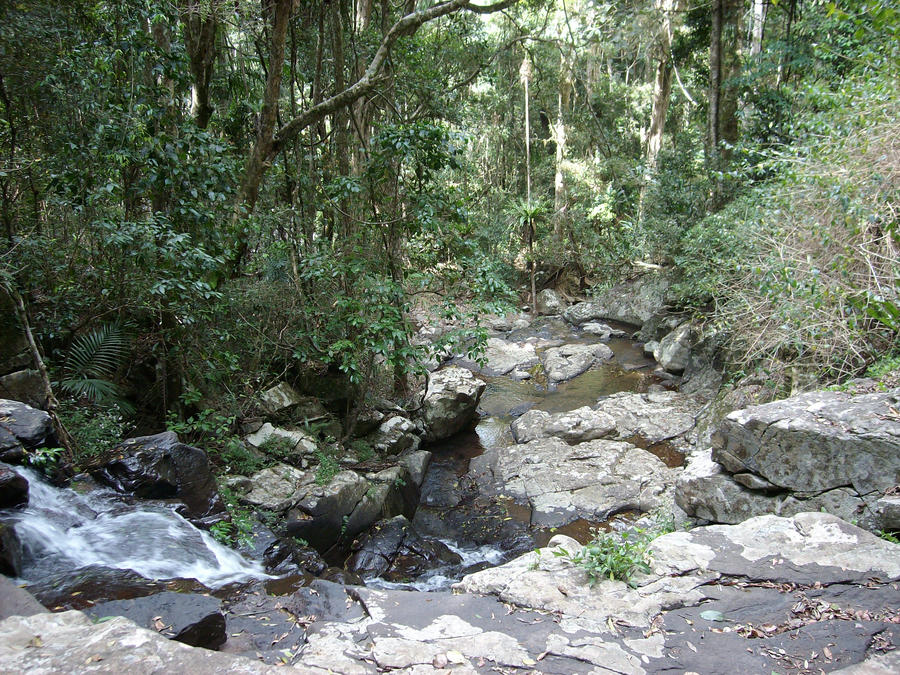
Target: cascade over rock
{"type": "Point", "coordinates": [161, 467]}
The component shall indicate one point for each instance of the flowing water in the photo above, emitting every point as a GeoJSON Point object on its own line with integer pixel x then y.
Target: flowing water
{"type": "Point", "coordinates": [63, 530]}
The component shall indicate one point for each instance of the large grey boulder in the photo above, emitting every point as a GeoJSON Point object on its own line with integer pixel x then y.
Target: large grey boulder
{"type": "Point", "coordinates": [633, 301]}
{"type": "Point", "coordinates": [673, 352]}
{"type": "Point", "coordinates": [25, 386]}
{"type": "Point", "coordinates": [549, 302]}
{"type": "Point", "coordinates": [564, 363]}
{"type": "Point", "coordinates": [395, 435]}
{"type": "Point", "coordinates": [302, 444]}
{"type": "Point", "coordinates": [449, 403]}
{"type": "Point", "coordinates": [71, 642]}
{"type": "Point", "coordinates": [562, 483]}
{"type": "Point", "coordinates": [575, 426]}
{"type": "Point", "coordinates": [276, 488]}
{"type": "Point", "coordinates": [815, 442]}
{"type": "Point", "coordinates": [30, 427]}
{"type": "Point", "coordinates": [503, 356]}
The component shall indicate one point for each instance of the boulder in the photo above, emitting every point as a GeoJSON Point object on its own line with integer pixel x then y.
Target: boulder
{"type": "Point", "coordinates": [450, 400]}
{"type": "Point", "coordinates": [31, 427]}
{"type": "Point", "coordinates": [301, 442]}
{"type": "Point", "coordinates": [10, 550]}
{"type": "Point", "coordinates": [13, 488]}
{"type": "Point", "coordinates": [562, 483]}
{"type": "Point", "coordinates": [25, 386]}
{"type": "Point", "coordinates": [503, 356]}
{"type": "Point", "coordinates": [290, 550]}
{"type": "Point", "coordinates": [161, 467]}
{"type": "Point", "coordinates": [397, 434]}
{"type": "Point", "coordinates": [653, 417]}
{"type": "Point", "coordinates": [416, 462]}
{"type": "Point", "coordinates": [548, 302]}
{"type": "Point", "coordinates": [602, 330]}
{"type": "Point", "coordinates": [195, 620]}
{"type": "Point", "coordinates": [14, 350]}
{"type": "Point", "coordinates": [633, 301]}
{"type": "Point", "coordinates": [15, 601]}
{"type": "Point", "coordinates": [674, 351]}
{"type": "Point", "coordinates": [394, 551]}
{"type": "Point", "coordinates": [276, 488]}
{"type": "Point", "coordinates": [11, 449]}
{"type": "Point", "coordinates": [889, 508]}
{"type": "Point", "coordinates": [816, 442]}
{"type": "Point", "coordinates": [280, 398]}
{"type": "Point", "coordinates": [322, 514]}
{"type": "Point", "coordinates": [576, 426]}
{"type": "Point", "coordinates": [71, 642]}
{"type": "Point", "coordinates": [564, 363]}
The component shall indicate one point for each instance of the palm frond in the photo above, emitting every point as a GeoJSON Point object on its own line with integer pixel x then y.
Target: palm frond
{"type": "Point", "coordinates": [93, 360]}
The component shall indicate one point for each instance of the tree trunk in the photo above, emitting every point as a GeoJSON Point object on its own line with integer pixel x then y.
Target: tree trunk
{"type": "Point", "coordinates": [759, 25]}
{"type": "Point", "coordinates": [200, 24]}
{"type": "Point", "coordinates": [715, 82]}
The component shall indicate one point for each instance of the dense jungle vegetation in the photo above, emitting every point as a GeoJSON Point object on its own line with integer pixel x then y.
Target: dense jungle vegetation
{"type": "Point", "coordinates": [199, 198]}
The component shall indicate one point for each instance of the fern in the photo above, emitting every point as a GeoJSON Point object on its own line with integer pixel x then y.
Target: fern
{"type": "Point", "coordinates": [93, 360]}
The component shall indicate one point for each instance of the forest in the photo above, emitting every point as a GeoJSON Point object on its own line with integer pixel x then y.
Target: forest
{"type": "Point", "coordinates": [200, 198]}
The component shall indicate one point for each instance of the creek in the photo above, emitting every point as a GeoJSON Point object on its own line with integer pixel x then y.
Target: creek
{"type": "Point", "coordinates": [62, 530]}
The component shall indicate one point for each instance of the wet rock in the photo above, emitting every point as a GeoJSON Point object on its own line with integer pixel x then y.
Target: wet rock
{"type": "Point", "coordinates": [549, 302]}
{"type": "Point", "coordinates": [31, 427]}
{"type": "Point", "coordinates": [291, 550]}
{"type": "Point", "coordinates": [576, 426]}
{"type": "Point", "coordinates": [25, 386]}
{"type": "Point", "coordinates": [392, 492]}
{"type": "Point", "coordinates": [602, 330]}
{"type": "Point", "coordinates": [87, 585]}
{"type": "Point", "coordinates": [13, 488]}
{"type": "Point", "coordinates": [450, 401]}
{"type": "Point", "coordinates": [674, 350]}
{"type": "Point", "coordinates": [160, 467]}
{"type": "Point", "coordinates": [302, 444]}
{"type": "Point", "coordinates": [592, 480]}
{"type": "Point", "coordinates": [70, 638]}
{"type": "Point", "coordinates": [322, 514]}
{"type": "Point", "coordinates": [398, 434]}
{"type": "Point", "coordinates": [816, 441]}
{"type": "Point", "coordinates": [10, 448]}
{"type": "Point", "coordinates": [10, 550]}
{"type": "Point", "coordinates": [15, 601]}
{"type": "Point", "coordinates": [195, 620]}
{"type": "Point", "coordinates": [394, 551]}
{"type": "Point", "coordinates": [564, 363]}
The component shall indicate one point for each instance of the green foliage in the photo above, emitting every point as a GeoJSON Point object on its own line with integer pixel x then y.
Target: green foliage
{"type": "Point", "coordinates": [96, 429]}
{"type": "Point", "coordinates": [278, 447]}
{"type": "Point", "coordinates": [613, 556]}
{"type": "Point", "coordinates": [93, 361]}
{"type": "Point", "coordinates": [328, 468]}
{"type": "Point", "coordinates": [884, 366]}
{"type": "Point", "coordinates": [889, 536]}
{"type": "Point", "coordinates": [214, 432]}
{"type": "Point", "coordinates": [44, 458]}
{"type": "Point", "coordinates": [362, 449]}
{"type": "Point", "coordinates": [238, 529]}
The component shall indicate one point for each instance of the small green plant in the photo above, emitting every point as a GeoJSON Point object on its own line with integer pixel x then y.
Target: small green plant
{"type": "Point", "coordinates": [43, 458]}
{"type": "Point", "coordinates": [237, 530]}
{"type": "Point", "coordinates": [362, 450]}
{"type": "Point", "coordinates": [214, 432]}
{"type": "Point", "coordinates": [883, 367]}
{"type": "Point", "coordinates": [279, 447]}
{"type": "Point", "coordinates": [612, 555]}
{"type": "Point", "coordinates": [328, 468]}
{"type": "Point", "coordinates": [889, 536]}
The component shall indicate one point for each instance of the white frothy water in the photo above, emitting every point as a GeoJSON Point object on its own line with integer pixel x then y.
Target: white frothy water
{"type": "Point", "coordinates": [61, 530]}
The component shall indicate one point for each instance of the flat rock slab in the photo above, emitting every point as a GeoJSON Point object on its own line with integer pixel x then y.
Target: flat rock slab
{"type": "Point", "coordinates": [562, 483]}
{"type": "Point", "coordinates": [70, 642]}
{"type": "Point", "coordinates": [817, 441]}
{"type": "Point", "coordinates": [654, 417]}
{"type": "Point", "coordinates": [564, 363]}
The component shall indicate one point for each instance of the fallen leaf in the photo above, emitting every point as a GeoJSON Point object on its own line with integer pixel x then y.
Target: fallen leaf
{"type": "Point", "coordinates": [454, 656]}
{"type": "Point", "coordinates": [36, 641]}
{"type": "Point", "coordinates": [827, 653]}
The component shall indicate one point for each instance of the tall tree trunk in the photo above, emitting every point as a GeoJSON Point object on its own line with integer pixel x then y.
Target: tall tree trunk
{"type": "Point", "coordinates": [265, 131]}
{"type": "Point", "coordinates": [200, 24]}
{"type": "Point", "coordinates": [560, 199]}
{"type": "Point", "coordinates": [759, 26]}
{"type": "Point", "coordinates": [715, 81]}
{"type": "Point", "coordinates": [525, 75]}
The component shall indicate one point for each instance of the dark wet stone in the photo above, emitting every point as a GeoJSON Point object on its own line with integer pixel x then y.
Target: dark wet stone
{"type": "Point", "coordinates": [13, 488]}
{"type": "Point", "coordinates": [10, 551]}
{"type": "Point", "coordinates": [193, 619]}
{"type": "Point", "coordinates": [396, 552]}
{"type": "Point", "coordinates": [160, 467]}
{"type": "Point", "coordinates": [88, 585]}
{"type": "Point", "coordinates": [289, 550]}
{"type": "Point", "coordinates": [10, 448]}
